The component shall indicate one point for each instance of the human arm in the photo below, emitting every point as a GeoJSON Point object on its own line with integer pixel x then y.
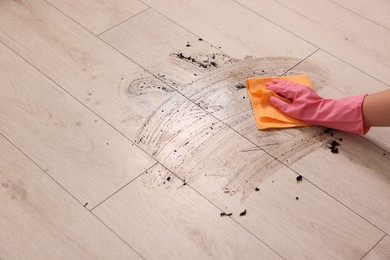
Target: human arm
{"type": "Point", "coordinates": [352, 114]}
{"type": "Point", "coordinates": [376, 109]}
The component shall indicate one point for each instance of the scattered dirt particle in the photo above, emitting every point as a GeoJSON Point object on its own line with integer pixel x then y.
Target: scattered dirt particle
{"type": "Point", "coordinates": [200, 39]}
{"type": "Point", "coordinates": [240, 86]}
{"type": "Point", "coordinates": [243, 213]}
{"type": "Point", "coordinates": [299, 178]}
{"type": "Point", "coordinates": [169, 178]}
{"type": "Point", "coordinates": [333, 146]}
{"type": "Point", "coordinates": [188, 44]}
{"type": "Point", "coordinates": [186, 143]}
{"type": "Point", "coordinates": [85, 204]}
{"type": "Point", "coordinates": [195, 74]}
{"type": "Point", "coordinates": [297, 198]}
{"type": "Point", "coordinates": [223, 214]}
{"type": "Point", "coordinates": [257, 189]}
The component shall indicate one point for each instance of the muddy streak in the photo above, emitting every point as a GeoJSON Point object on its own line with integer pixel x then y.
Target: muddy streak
{"type": "Point", "coordinates": [142, 96]}
{"type": "Point", "coordinates": [206, 61]}
{"type": "Point", "coordinates": [186, 140]}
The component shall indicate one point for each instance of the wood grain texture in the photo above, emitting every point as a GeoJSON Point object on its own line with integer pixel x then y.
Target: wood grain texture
{"type": "Point", "coordinates": [313, 226]}
{"type": "Point", "coordinates": [333, 28]}
{"type": "Point", "coordinates": [358, 176]}
{"type": "Point", "coordinates": [232, 28]}
{"type": "Point", "coordinates": [93, 72]}
{"type": "Point", "coordinates": [82, 152]}
{"type": "Point", "coordinates": [376, 11]}
{"type": "Point", "coordinates": [97, 15]}
{"type": "Point", "coordinates": [381, 251]}
{"type": "Point", "coordinates": [39, 220]}
{"type": "Point", "coordinates": [194, 146]}
{"type": "Point", "coordinates": [165, 220]}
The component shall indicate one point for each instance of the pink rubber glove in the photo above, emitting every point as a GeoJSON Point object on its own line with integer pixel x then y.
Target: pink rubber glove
{"type": "Point", "coordinates": [342, 114]}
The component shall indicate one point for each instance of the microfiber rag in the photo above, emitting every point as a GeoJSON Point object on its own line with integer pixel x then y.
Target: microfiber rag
{"type": "Point", "coordinates": [266, 115]}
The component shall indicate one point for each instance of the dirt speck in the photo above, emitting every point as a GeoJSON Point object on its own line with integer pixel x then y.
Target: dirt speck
{"type": "Point", "coordinates": [243, 213]}
{"type": "Point", "coordinates": [223, 214]}
{"type": "Point", "coordinates": [299, 178]}
{"type": "Point", "coordinates": [333, 146]}
{"type": "Point", "coordinates": [240, 86]}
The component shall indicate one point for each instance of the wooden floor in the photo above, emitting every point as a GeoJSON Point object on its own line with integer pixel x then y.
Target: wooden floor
{"type": "Point", "coordinates": [125, 134]}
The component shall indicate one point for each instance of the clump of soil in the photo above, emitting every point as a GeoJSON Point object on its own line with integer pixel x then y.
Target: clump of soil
{"type": "Point", "coordinates": [240, 86]}
{"type": "Point", "coordinates": [257, 189]}
{"type": "Point", "coordinates": [207, 61]}
{"type": "Point", "coordinates": [299, 178]}
{"type": "Point", "coordinates": [223, 214]}
{"type": "Point", "coordinates": [333, 146]}
{"type": "Point", "coordinates": [243, 213]}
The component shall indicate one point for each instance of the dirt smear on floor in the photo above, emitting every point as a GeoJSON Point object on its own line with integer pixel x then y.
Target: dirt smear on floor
{"type": "Point", "coordinates": [190, 142]}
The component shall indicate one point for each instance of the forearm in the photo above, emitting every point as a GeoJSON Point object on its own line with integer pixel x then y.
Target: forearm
{"type": "Point", "coordinates": [376, 109]}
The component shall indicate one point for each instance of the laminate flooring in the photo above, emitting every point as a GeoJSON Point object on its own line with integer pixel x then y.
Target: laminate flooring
{"type": "Point", "coordinates": [125, 132]}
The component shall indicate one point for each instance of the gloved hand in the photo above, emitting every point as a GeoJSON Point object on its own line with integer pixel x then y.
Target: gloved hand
{"type": "Point", "coordinates": [342, 114]}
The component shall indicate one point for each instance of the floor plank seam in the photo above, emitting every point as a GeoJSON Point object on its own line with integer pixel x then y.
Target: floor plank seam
{"type": "Point", "coordinates": [373, 247]}
{"type": "Point", "coordinates": [124, 241]}
{"type": "Point", "coordinates": [131, 17]}
{"type": "Point", "coordinates": [124, 186]}
{"type": "Point", "coordinates": [308, 56]}
{"type": "Point", "coordinates": [36, 164]}
{"type": "Point", "coordinates": [312, 43]}
{"type": "Point", "coordinates": [352, 11]}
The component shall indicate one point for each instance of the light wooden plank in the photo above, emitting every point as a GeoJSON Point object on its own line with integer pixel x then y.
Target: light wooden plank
{"type": "Point", "coordinates": [82, 152]}
{"type": "Point", "coordinates": [235, 29]}
{"type": "Point", "coordinates": [228, 172]}
{"type": "Point", "coordinates": [312, 227]}
{"type": "Point", "coordinates": [103, 79]}
{"type": "Point", "coordinates": [377, 11]}
{"type": "Point", "coordinates": [333, 28]}
{"type": "Point", "coordinates": [380, 251]}
{"type": "Point", "coordinates": [160, 41]}
{"type": "Point", "coordinates": [357, 176]}
{"type": "Point", "coordinates": [97, 15]}
{"type": "Point", "coordinates": [39, 220]}
{"type": "Point", "coordinates": [165, 220]}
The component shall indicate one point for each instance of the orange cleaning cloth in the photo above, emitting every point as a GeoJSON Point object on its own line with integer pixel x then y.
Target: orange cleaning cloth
{"type": "Point", "coordinates": [265, 114]}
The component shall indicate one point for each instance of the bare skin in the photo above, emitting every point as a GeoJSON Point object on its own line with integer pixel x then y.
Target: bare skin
{"type": "Point", "coordinates": [376, 109]}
